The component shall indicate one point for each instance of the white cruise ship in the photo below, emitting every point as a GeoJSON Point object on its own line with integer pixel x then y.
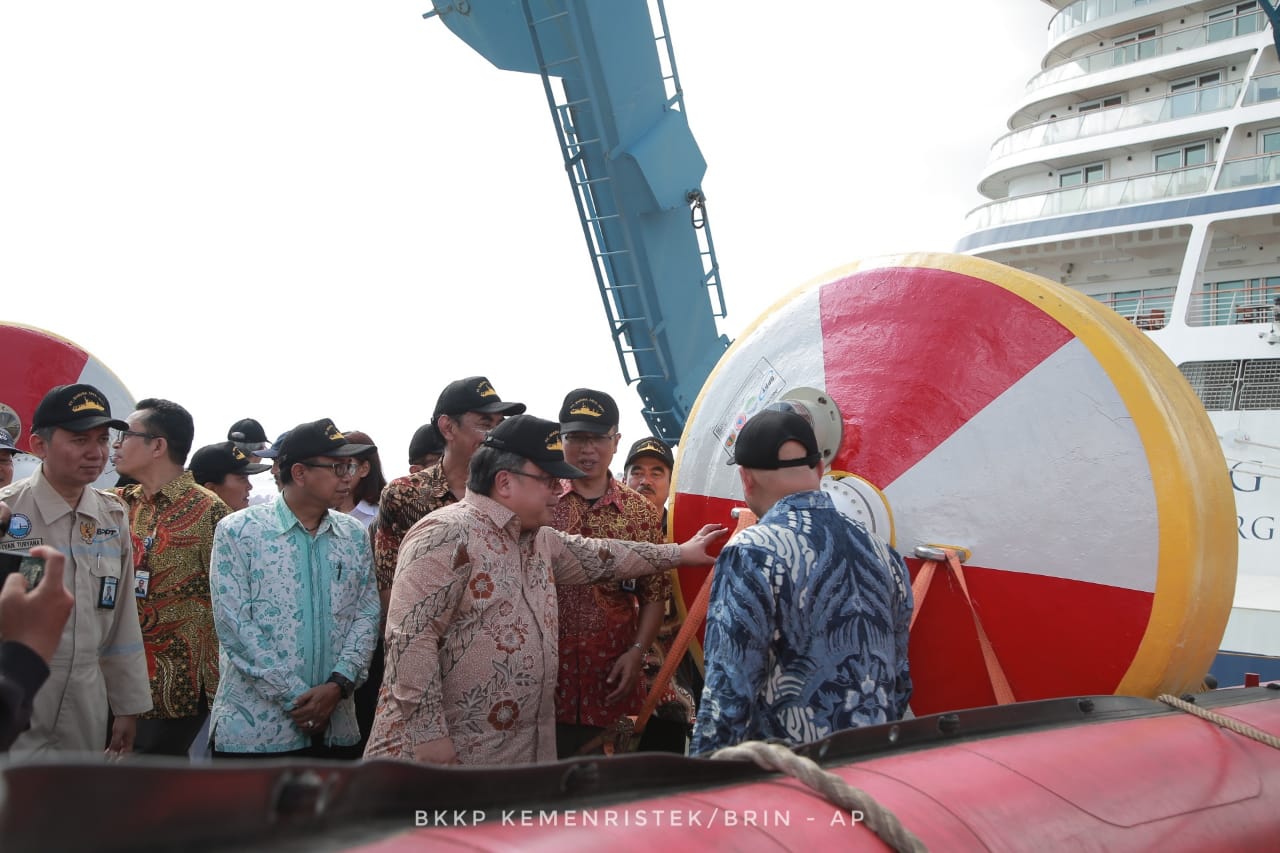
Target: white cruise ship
{"type": "Point", "coordinates": [1142, 168]}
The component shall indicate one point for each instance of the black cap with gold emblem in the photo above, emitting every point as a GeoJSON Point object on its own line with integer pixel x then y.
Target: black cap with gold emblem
{"type": "Point", "coordinates": [212, 463]}
{"type": "Point", "coordinates": [535, 439]}
{"type": "Point", "coordinates": [76, 408]}
{"type": "Point", "coordinates": [318, 438]}
{"type": "Point", "coordinates": [585, 410]}
{"type": "Point", "coordinates": [655, 447]}
{"type": "Point", "coordinates": [473, 394]}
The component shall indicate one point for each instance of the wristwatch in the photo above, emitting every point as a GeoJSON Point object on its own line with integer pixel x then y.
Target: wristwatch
{"type": "Point", "coordinates": [344, 684]}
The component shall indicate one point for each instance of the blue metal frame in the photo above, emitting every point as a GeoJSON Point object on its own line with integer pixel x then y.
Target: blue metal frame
{"type": "Point", "coordinates": [636, 174]}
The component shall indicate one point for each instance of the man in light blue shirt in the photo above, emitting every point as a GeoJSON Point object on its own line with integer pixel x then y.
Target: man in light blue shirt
{"type": "Point", "coordinates": [296, 608]}
{"type": "Point", "coordinates": [807, 625]}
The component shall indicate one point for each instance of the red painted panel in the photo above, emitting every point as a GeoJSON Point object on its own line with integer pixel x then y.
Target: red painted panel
{"type": "Point", "coordinates": [1048, 633]}
{"type": "Point", "coordinates": [912, 354]}
{"type": "Point", "coordinates": [34, 363]}
{"type": "Point", "coordinates": [690, 512]}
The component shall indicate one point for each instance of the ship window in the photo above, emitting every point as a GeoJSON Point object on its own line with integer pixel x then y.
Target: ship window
{"type": "Point", "coordinates": [1196, 154]}
{"type": "Point", "coordinates": [1234, 384]}
{"type": "Point", "coordinates": [1100, 104]}
{"type": "Point", "coordinates": [1082, 175]}
{"type": "Point", "coordinates": [1235, 20]}
{"type": "Point", "coordinates": [1135, 46]}
{"type": "Point", "coordinates": [1198, 94]}
{"type": "Point", "coordinates": [1269, 141]}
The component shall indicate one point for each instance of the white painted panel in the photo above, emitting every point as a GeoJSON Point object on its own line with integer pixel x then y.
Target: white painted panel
{"type": "Point", "coordinates": [1050, 479]}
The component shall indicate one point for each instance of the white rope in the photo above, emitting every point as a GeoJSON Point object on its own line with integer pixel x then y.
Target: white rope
{"type": "Point", "coordinates": [881, 821]}
{"type": "Point", "coordinates": [1222, 720]}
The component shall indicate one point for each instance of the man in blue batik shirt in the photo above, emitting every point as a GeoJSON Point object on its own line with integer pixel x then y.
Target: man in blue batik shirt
{"type": "Point", "coordinates": [807, 626]}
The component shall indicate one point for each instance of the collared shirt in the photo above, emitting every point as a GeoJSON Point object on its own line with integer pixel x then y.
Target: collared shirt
{"type": "Point", "coordinates": [290, 609]}
{"type": "Point", "coordinates": [172, 535]}
{"type": "Point", "coordinates": [599, 622]}
{"type": "Point", "coordinates": [99, 662]}
{"type": "Point", "coordinates": [472, 631]}
{"type": "Point", "coordinates": [806, 631]}
{"type": "Point", "coordinates": [405, 500]}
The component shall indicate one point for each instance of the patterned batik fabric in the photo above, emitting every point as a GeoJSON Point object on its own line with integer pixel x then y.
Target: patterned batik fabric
{"type": "Point", "coordinates": [404, 502]}
{"type": "Point", "coordinates": [290, 609]}
{"type": "Point", "coordinates": [472, 631]}
{"type": "Point", "coordinates": [806, 631]}
{"type": "Point", "coordinates": [599, 622]}
{"type": "Point", "coordinates": [172, 534]}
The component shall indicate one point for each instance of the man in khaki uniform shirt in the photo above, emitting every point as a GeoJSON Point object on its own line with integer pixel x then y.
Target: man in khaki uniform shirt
{"type": "Point", "coordinates": [99, 663]}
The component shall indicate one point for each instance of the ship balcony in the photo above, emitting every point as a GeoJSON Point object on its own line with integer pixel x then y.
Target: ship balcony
{"type": "Point", "coordinates": [1148, 310]}
{"type": "Point", "coordinates": [1176, 107]}
{"type": "Point", "coordinates": [1191, 44]}
{"type": "Point", "coordinates": [1097, 195]}
{"type": "Point", "coordinates": [1249, 171]}
{"type": "Point", "coordinates": [1227, 303]}
{"type": "Point", "coordinates": [1085, 16]}
{"type": "Point", "coordinates": [1230, 303]}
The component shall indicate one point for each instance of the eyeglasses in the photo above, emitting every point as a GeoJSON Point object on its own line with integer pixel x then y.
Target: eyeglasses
{"type": "Point", "coordinates": [118, 436]}
{"type": "Point", "coordinates": [582, 439]}
{"type": "Point", "coordinates": [341, 469]}
{"type": "Point", "coordinates": [546, 480]}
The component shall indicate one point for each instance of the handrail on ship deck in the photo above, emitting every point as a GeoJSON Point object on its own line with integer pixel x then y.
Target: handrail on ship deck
{"type": "Point", "coordinates": [1086, 12]}
{"type": "Point", "coordinates": [1098, 195]}
{"type": "Point", "coordinates": [1141, 113]}
{"type": "Point", "coordinates": [1134, 51]}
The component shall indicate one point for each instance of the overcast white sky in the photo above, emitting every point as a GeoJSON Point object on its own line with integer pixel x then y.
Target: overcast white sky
{"type": "Point", "coordinates": [291, 210]}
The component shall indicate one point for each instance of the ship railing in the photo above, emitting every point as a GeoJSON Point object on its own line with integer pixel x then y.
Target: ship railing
{"type": "Point", "coordinates": [1146, 312]}
{"type": "Point", "coordinates": [1261, 89]}
{"type": "Point", "coordinates": [1215, 307]}
{"type": "Point", "coordinates": [1248, 171]}
{"type": "Point", "coordinates": [1086, 12]}
{"type": "Point", "coordinates": [1149, 48]}
{"type": "Point", "coordinates": [1097, 195]}
{"type": "Point", "coordinates": [1135, 114]}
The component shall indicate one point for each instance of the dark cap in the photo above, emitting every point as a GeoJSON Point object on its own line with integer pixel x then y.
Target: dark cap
{"type": "Point", "coordinates": [211, 463]}
{"type": "Point", "coordinates": [536, 440]}
{"type": "Point", "coordinates": [585, 410]}
{"type": "Point", "coordinates": [6, 441]}
{"type": "Point", "coordinates": [425, 440]}
{"type": "Point", "coordinates": [274, 450]}
{"type": "Point", "coordinates": [473, 394]}
{"type": "Point", "coordinates": [247, 431]}
{"type": "Point", "coordinates": [654, 447]}
{"type": "Point", "coordinates": [759, 441]}
{"type": "Point", "coordinates": [75, 407]}
{"type": "Point", "coordinates": [318, 438]}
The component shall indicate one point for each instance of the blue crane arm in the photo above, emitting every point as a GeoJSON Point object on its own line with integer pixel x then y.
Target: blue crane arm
{"type": "Point", "coordinates": [636, 173]}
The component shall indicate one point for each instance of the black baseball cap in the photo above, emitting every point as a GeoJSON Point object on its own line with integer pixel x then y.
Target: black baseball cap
{"type": "Point", "coordinates": [654, 447]}
{"type": "Point", "coordinates": [473, 394]}
{"type": "Point", "coordinates": [426, 440]}
{"type": "Point", "coordinates": [247, 431]}
{"type": "Point", "coordinates": [762, 436]}
{"type": "Point", "coordinates": [76, 408]}
{"type": "Point", "coordinates": [318, 438]}
{"type": "Point", "coordinates": [535, 439]}
{"type": "Point", "coordinates": [585, 410]}
{"type": "Point", "coordinates": [211, 463]}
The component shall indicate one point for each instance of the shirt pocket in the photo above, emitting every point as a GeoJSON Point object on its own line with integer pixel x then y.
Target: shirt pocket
{"type": "Point", "coordinates": [344, 591]}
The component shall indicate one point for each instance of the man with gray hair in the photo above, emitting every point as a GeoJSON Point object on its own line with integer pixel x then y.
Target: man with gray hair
{"type": "Point", "coordinates": [472, 630]}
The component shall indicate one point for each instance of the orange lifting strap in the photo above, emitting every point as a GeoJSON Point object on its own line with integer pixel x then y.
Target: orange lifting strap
{"type": "Point", "coordinates": [692, 622]}
{"type": "Point", "coordinates": [920, 589]}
